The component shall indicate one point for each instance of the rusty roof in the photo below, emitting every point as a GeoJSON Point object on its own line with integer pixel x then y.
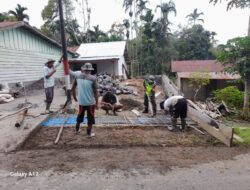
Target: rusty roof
{"type": "Point", "coordinates": [212, 75]}
{"type": "Point", "coordinates": [197, 66]}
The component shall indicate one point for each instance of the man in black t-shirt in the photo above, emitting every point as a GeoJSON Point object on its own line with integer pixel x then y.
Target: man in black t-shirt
{"type": "Point", "coordinates": [109, 102]}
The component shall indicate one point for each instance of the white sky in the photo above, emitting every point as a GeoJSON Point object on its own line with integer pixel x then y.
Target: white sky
{"type": "Point", "coordinates": [227, 24]}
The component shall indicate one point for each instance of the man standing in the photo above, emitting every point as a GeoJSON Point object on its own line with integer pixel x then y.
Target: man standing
{"type": "Point", "coordinates": [87, 97]}
{"type": "Point", "coordinates": [150, 88]}
{"type": "Point", "coordinates": [177, 107]}
{"type": "Point", "coordinates": [49, 81]}
{"type": "Point", "coordinates": [109, 102]}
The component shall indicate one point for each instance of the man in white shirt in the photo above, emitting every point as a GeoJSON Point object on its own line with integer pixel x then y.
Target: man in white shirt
{"type": "Point", "coordinates": [49, 81]}
{"type": "Point", "coordinates": [177, 107]}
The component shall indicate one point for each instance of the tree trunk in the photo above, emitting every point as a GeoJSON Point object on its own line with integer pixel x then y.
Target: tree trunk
{"type": "Point", "coordinates": [247, 87]}
{"type": "Point", "coordinates": [246, 97]}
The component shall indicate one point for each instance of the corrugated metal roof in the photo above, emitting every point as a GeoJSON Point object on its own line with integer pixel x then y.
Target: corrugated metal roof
{"type": "Point", "coordinates": [197, 66]}
{"type": "Point", "coordinates": [94, 58]}
{"type": "Point", "coordinates": [102, 49]}
{"type": "Point", "coordinates": [9, 25]}
{"type": "Point", "coordinates": [213, 75]}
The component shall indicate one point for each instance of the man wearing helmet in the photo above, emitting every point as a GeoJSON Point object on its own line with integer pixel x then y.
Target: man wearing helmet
{"type": "Point", "coordinates": [150, 88]}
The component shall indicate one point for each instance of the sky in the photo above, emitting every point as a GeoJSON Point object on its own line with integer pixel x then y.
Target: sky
{"type": "Point", "coordinates": [227, 24]}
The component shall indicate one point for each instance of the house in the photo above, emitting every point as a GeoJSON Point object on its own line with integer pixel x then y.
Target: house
{"type": "Point", "coordinates": [106, 57]}
{"type": "Point", "coordinates": [23, 52]}
{"type": "Point", "coordinates": [218, 77]}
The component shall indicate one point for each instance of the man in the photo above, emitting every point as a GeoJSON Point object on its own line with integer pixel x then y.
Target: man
{"type": "Point", "coordinates": [150, 88]}
{"type": "Point", "coordinates": [49, 81]}
{"type": "Point", "coordinates": [109, 102]}
{"type": "Point", "coordinates": [87, 97]}
{"type": "Point", "coordinates": [177, 107]}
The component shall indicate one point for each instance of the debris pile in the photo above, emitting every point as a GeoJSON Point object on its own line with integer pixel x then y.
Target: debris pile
{"type": "Point", "coordinates": [106, 82]}
{"type": "Point", "coordinates": [5, 94]}
{"type": "Point", "coordinates": [212, 109]}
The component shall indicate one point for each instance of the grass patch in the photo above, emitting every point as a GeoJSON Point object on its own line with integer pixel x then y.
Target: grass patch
{"type": "Point", "coordinates": [244, 133]}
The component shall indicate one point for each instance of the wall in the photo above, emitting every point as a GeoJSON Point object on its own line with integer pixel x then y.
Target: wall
{"type": "Point", "coordinates": [23, 54]}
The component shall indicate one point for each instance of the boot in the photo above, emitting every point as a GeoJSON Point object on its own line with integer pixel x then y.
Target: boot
{"type": "Point", "coordinates": [183, 124]}
{"type": "Point", "coordinates": [145, 110]}
{"type": "Point", "coordinates": [77, 128]}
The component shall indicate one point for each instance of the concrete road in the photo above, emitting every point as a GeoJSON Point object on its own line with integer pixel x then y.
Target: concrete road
{"type": "Point", "coordinates": [222, 175]}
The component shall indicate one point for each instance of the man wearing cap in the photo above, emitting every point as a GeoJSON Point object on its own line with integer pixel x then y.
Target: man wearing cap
{"type": "Point", "coordinates": [109, 102]}
{"type": "Point", "coordinates": [87, 97]}
{"type": "Point", "coordinates": [150, 88]}
{"type": "Point", "coordinates": [49, 81]}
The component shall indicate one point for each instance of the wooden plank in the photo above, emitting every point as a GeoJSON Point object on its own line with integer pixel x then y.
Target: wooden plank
{"type": "Point", "coordinates": [59, 134]}
{"type": "Point", "coordinates": [222, 133]}
{"type": "Point", "coordinates": [136, 112]}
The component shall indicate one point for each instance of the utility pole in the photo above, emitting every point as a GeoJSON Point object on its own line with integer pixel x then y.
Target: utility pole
{"type": "Point", "coordinates": [64, 49]}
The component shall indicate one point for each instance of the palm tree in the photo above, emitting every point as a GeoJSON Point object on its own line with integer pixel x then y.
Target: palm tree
{"type": "Point", "coordinates": [141, 6]}
{"type": "Point", "coordinates": [166, 9]}
{"type": "Point", "coordinates": [194, 16]}
{"type": "Point", "coordinates": [19, 13]}
{"type": "Point", "coordinates": [128, 5]}
{"type": "Point", "coordinates": [126, 24]}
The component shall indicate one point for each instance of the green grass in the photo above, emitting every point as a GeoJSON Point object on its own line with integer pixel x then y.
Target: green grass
{"type": "Point", "coordinates": [244, 133]}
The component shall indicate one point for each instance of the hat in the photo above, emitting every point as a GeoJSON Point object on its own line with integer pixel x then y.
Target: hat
{"type": "Point", "coordinates": [50, 61]}
{"type": "Point", "coordinates": [87, 67]}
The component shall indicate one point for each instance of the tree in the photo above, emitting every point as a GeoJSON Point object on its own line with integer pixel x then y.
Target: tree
{"type": "Point", "coordinates": [3, 16]}
{"type": "Point", "coordinates": [234, 3]}
{"type": "Point", "coordinates": [19, 14]}
{"type": "Point", "coordinates": [198, 80]}
{"type": "Point", "coordinates": [236, 55]}
{"type": "Point", "coordinates": [194, 43]}
{"type": "Point", "coordinates": [194, 16]}
{"type": "Point", "coordinates": [51, 27]}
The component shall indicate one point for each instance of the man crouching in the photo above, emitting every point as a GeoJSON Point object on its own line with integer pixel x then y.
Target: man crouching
{"type": "Point", "coordinates": [177, 107]}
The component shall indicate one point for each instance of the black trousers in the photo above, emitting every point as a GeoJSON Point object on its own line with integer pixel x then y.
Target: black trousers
{"type": "Point", "coordinates": [152, 100]}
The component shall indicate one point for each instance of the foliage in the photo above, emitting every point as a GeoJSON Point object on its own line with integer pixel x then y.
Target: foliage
{"type": "Point", "coordinates": [197, 80]}
{"type": "Point", "coordinates": [236, 56]}
{"type": "Point", "coordinates": [243, 133]}
{"type": "Point", "coordinates": [19, 14]}
{"type": "Point", "coordinates": [194, 43]}
{"type": "Point", "coordinates": [194, 16]}
{"type": "Point", "coordinates": [231, 95]}
{"type": "Point", "coordinates": [234, 3]}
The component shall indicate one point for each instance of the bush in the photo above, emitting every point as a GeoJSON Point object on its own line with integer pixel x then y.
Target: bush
{"type": "Point", "coordinates": [231, 95]}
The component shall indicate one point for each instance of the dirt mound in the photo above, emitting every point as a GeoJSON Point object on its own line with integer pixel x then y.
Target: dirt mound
{"type": "Point", "coordinates": [129, 104]}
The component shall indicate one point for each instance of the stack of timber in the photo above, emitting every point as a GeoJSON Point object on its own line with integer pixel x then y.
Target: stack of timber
{"type": "Point", "coordinates": [217, 130]}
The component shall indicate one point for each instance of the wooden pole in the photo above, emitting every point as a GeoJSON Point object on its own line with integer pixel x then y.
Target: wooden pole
{"type": "Point", "coordinates": [59, 134]}
{"type": "Point", "coordinates": [20, 117]}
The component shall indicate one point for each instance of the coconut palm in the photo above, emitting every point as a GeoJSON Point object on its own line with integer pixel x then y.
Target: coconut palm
{"type": "Point", "coordinates": [19, 13]}
{"type": "Point", "coordinates": [166, 9]}
{"type": "Point", "coordinates": [194, 16]}
{"type": "Point", "coordinates": [141, 6]}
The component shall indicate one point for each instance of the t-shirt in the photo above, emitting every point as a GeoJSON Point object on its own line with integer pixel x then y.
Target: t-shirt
{"type": "Point", "coordinates": [171, 101]}
{"type": "Point", "coordinates": [86, 84]}
{"type": "Point", "coordinates": [49, 82]}
{"type": "Point", "coordinates": [109, 98]}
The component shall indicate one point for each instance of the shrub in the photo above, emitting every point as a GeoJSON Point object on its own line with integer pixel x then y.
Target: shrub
{"type": "Point", "coordinates": [231, 95]}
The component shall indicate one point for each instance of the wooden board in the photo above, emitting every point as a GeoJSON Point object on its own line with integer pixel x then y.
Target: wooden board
{"type": "Point", "coordinates": [217, 130]}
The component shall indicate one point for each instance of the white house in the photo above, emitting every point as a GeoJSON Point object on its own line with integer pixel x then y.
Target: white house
{"type": "Point", "coordinates": [106, 57]}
